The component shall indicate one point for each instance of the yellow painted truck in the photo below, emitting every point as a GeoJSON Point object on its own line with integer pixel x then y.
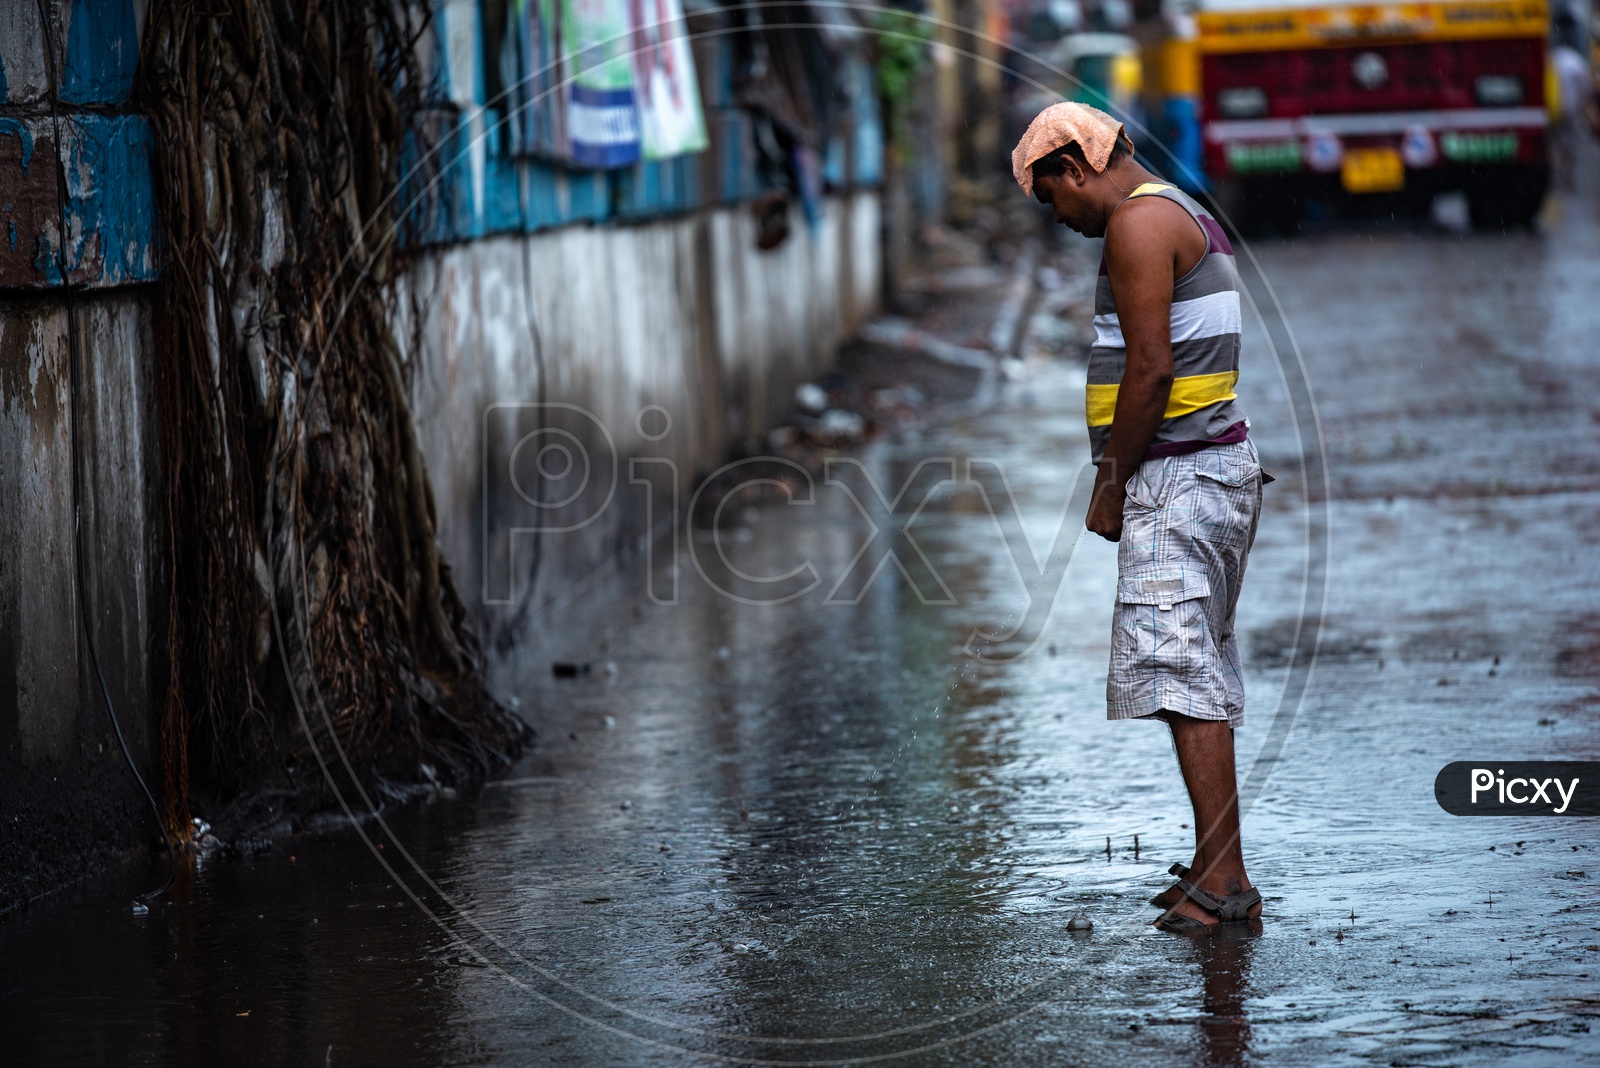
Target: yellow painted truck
{"type": "Point", "coordinates": [1269, 106]}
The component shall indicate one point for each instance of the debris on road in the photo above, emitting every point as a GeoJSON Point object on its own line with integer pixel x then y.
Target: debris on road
{"type": "Point", "coordinates": [563, 669]}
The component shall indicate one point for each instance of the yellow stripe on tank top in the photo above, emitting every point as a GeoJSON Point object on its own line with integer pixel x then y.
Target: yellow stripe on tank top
{"type": "Point", "coordinates": [1189, 394]}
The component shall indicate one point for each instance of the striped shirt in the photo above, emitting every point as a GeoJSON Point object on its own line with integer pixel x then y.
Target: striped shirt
{"type": "Point", "coordinates": [1201, 410]}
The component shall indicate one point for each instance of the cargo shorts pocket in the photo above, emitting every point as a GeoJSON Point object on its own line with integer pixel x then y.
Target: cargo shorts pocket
{"type": "Point", "coordinates": [1144, 488]}
{"type": "Point", "coordinates": [1160, 627]}
{"type": "Point", "coordinates": [1141, 514]}
{"type": "Point", "coordinates": [1227, 497]}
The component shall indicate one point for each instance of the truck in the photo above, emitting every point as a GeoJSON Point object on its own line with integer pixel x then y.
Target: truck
{"type": "Point", "coordinates": [1269, 104]}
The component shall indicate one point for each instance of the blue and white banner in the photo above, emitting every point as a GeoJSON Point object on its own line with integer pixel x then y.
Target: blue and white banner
{"type": "Point", "coordinates": [602, 112]}
{"type": "Point", "coordinates": [607, 83]}
{"type": "Point", "coordinates": [604, 127]}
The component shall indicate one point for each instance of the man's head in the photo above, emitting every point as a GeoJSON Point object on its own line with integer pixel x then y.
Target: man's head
{"type": "Point", "coordinates": [1067, 159]}
{"type": "Point", "coordinates": [1080, 196]}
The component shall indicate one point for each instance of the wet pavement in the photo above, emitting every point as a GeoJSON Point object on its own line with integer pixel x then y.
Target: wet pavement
{"type": "Point", "coordinates": [823, 833]}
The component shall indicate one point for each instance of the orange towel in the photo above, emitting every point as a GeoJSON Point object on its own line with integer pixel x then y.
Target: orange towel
{"type": "Point", "coordinates": [1061, 124]}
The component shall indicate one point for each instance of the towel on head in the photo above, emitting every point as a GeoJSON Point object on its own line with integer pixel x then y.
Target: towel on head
{"type": "Point", "coordinates": [1059, 125]}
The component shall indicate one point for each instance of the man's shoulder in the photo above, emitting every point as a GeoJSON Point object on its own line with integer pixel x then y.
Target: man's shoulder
{"type": "Point", "coordinates": [1151, 225]}
{"type": "Point", "coordinates": [1153, 209]}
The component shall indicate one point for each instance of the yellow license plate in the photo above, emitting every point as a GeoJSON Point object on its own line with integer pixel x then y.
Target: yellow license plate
{"type": "Point", "coordinates": [1372, 170]}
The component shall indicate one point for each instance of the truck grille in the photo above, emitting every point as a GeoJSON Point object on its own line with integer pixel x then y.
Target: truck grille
{"type": "Point", "coordinates": [1421, 75]}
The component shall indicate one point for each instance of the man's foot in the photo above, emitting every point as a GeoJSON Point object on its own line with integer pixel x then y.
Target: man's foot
{"type": "Point", "coordinates": [1212, 901]}
{"type": "Point", "coordinates": [1172, 895]}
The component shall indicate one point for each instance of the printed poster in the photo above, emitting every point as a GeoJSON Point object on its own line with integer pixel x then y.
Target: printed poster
{"type": "Point", "coordinates": [602, 114]}
{"type": "Point", "coordinates": [607, 82]}
{"type": "Point", "coordinates": [670, 119]}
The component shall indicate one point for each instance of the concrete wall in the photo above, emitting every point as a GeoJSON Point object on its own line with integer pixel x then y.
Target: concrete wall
{"type": "Point", "coordinates": [107, 207]}
{"type": "Point", "coordinates": [66, 798]}
{"type": "Point", "coordinates": [549, 302]}
{"type": "Point", "coordinates": [674, 340]}
{"type": "Point", "coordinates": [682, 314]}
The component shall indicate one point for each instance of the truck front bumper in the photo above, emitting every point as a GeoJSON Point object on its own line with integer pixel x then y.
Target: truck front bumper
{"type": "Point", "coordinates": [1424, 141]}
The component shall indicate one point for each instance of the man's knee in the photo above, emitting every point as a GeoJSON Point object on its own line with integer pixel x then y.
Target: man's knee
{"type": "Point", "coordinates": [1180, 722]}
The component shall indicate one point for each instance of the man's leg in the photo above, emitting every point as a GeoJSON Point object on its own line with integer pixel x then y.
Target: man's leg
{"type": "Point", "coordinates": [1205, 757]}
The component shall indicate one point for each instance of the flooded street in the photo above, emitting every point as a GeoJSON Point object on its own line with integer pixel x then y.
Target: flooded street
{"type": "Point", "coordinates": [825, 831]}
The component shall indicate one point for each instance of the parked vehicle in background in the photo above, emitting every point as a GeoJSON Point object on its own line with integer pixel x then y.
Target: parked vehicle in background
{"type": "Point", "coordinates": [1104, 72]}
{"type": "Point", "coordinates": [1268, 105]}
{"type": "Point", "coordinates": [1077, 51]}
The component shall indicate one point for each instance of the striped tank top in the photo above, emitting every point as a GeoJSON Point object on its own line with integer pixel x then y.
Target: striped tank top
{"type": "Point", "coordinates": [1201, 409]}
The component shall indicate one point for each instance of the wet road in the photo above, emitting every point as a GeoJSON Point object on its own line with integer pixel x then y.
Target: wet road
{"type": "Point", "coordinates": [818, 832]}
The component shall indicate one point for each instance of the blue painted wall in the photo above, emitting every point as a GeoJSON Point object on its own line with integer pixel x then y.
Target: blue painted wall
{"type": "Point", "coordinates": [112, 235]}
{"type": "Point", "coordinates": [102, 52]}
{"type": "Point", "coordinates": [527, 193]}
{"type": "Point", "coordinates": [472, 186]}
{"type": "Point", "coordinates": [111, 226]}
{"type": "Point", "coordinates": [110, 221]}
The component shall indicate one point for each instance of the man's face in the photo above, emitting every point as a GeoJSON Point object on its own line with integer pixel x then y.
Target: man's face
{"type": "Point", "coordinates": [1068, 196]}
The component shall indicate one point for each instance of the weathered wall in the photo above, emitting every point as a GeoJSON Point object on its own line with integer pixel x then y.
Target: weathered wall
{"type": "Point", "coordinates": [108, 200]}
{"type": "Point", "coordinates": [66, 798]}
{"type": "Point", "coordinates": [548, 301]}
{"type": "Point", "coordinates": [683, 313]}
{"type": "Point", "coordinates": [564, 338]}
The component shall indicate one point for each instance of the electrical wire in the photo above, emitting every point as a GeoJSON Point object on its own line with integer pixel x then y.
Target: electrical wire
{"type": "Point", "coordinates": [82, 591]}
{"type": "Point", "coordinates": [537, 336]}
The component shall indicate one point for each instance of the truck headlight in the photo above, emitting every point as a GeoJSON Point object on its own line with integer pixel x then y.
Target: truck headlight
{"type": "Point", "coordinates": [1497, 90]}
{"type": "Point", "coordinates": [1243, 102]}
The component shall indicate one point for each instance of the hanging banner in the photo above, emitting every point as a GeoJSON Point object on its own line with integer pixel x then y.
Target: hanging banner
{"type": "Point", "coordinates": [670, 119]}
{"type": "Point", "coordinates": [602, 116]}
{"type": "Point", "coordinates": [607, 82]}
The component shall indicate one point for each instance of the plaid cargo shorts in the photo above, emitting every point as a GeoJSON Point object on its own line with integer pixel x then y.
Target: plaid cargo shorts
{"type": "Point", "coordinates": [1187, 528]}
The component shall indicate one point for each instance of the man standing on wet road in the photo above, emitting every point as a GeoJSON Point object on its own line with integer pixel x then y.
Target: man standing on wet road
{"type": "Point", "coordinates": [1178, 484]}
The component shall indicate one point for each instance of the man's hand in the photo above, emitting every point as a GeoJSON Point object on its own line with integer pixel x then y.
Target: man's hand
{"type": "Point", "coordinates": [1105, 508]}
{"type": "Point", "coordinates": [1150, 242]}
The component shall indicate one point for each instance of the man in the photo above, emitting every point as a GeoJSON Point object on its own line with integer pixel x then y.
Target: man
{"type": "Point", "coordinates": [1178, 485]}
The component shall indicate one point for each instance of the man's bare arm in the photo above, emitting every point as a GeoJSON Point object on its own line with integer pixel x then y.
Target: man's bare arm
{"type": "Point", "coordinates": [1151, 242]}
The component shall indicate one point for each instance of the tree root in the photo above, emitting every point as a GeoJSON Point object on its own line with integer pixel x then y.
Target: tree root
{"type": "Point", "coordinates": [285, 408]}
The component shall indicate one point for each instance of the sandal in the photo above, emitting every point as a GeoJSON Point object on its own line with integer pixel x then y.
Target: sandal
{"type": "Point", "coordinates": [1174, 893]}
{"type": "Point", "coordinates": [1232, 909]}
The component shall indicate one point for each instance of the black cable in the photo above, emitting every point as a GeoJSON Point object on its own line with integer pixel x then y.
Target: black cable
{"type": "Point", "coordinates": [538, 359]}
{"type": "Point", "coordinates": [77, 475]}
